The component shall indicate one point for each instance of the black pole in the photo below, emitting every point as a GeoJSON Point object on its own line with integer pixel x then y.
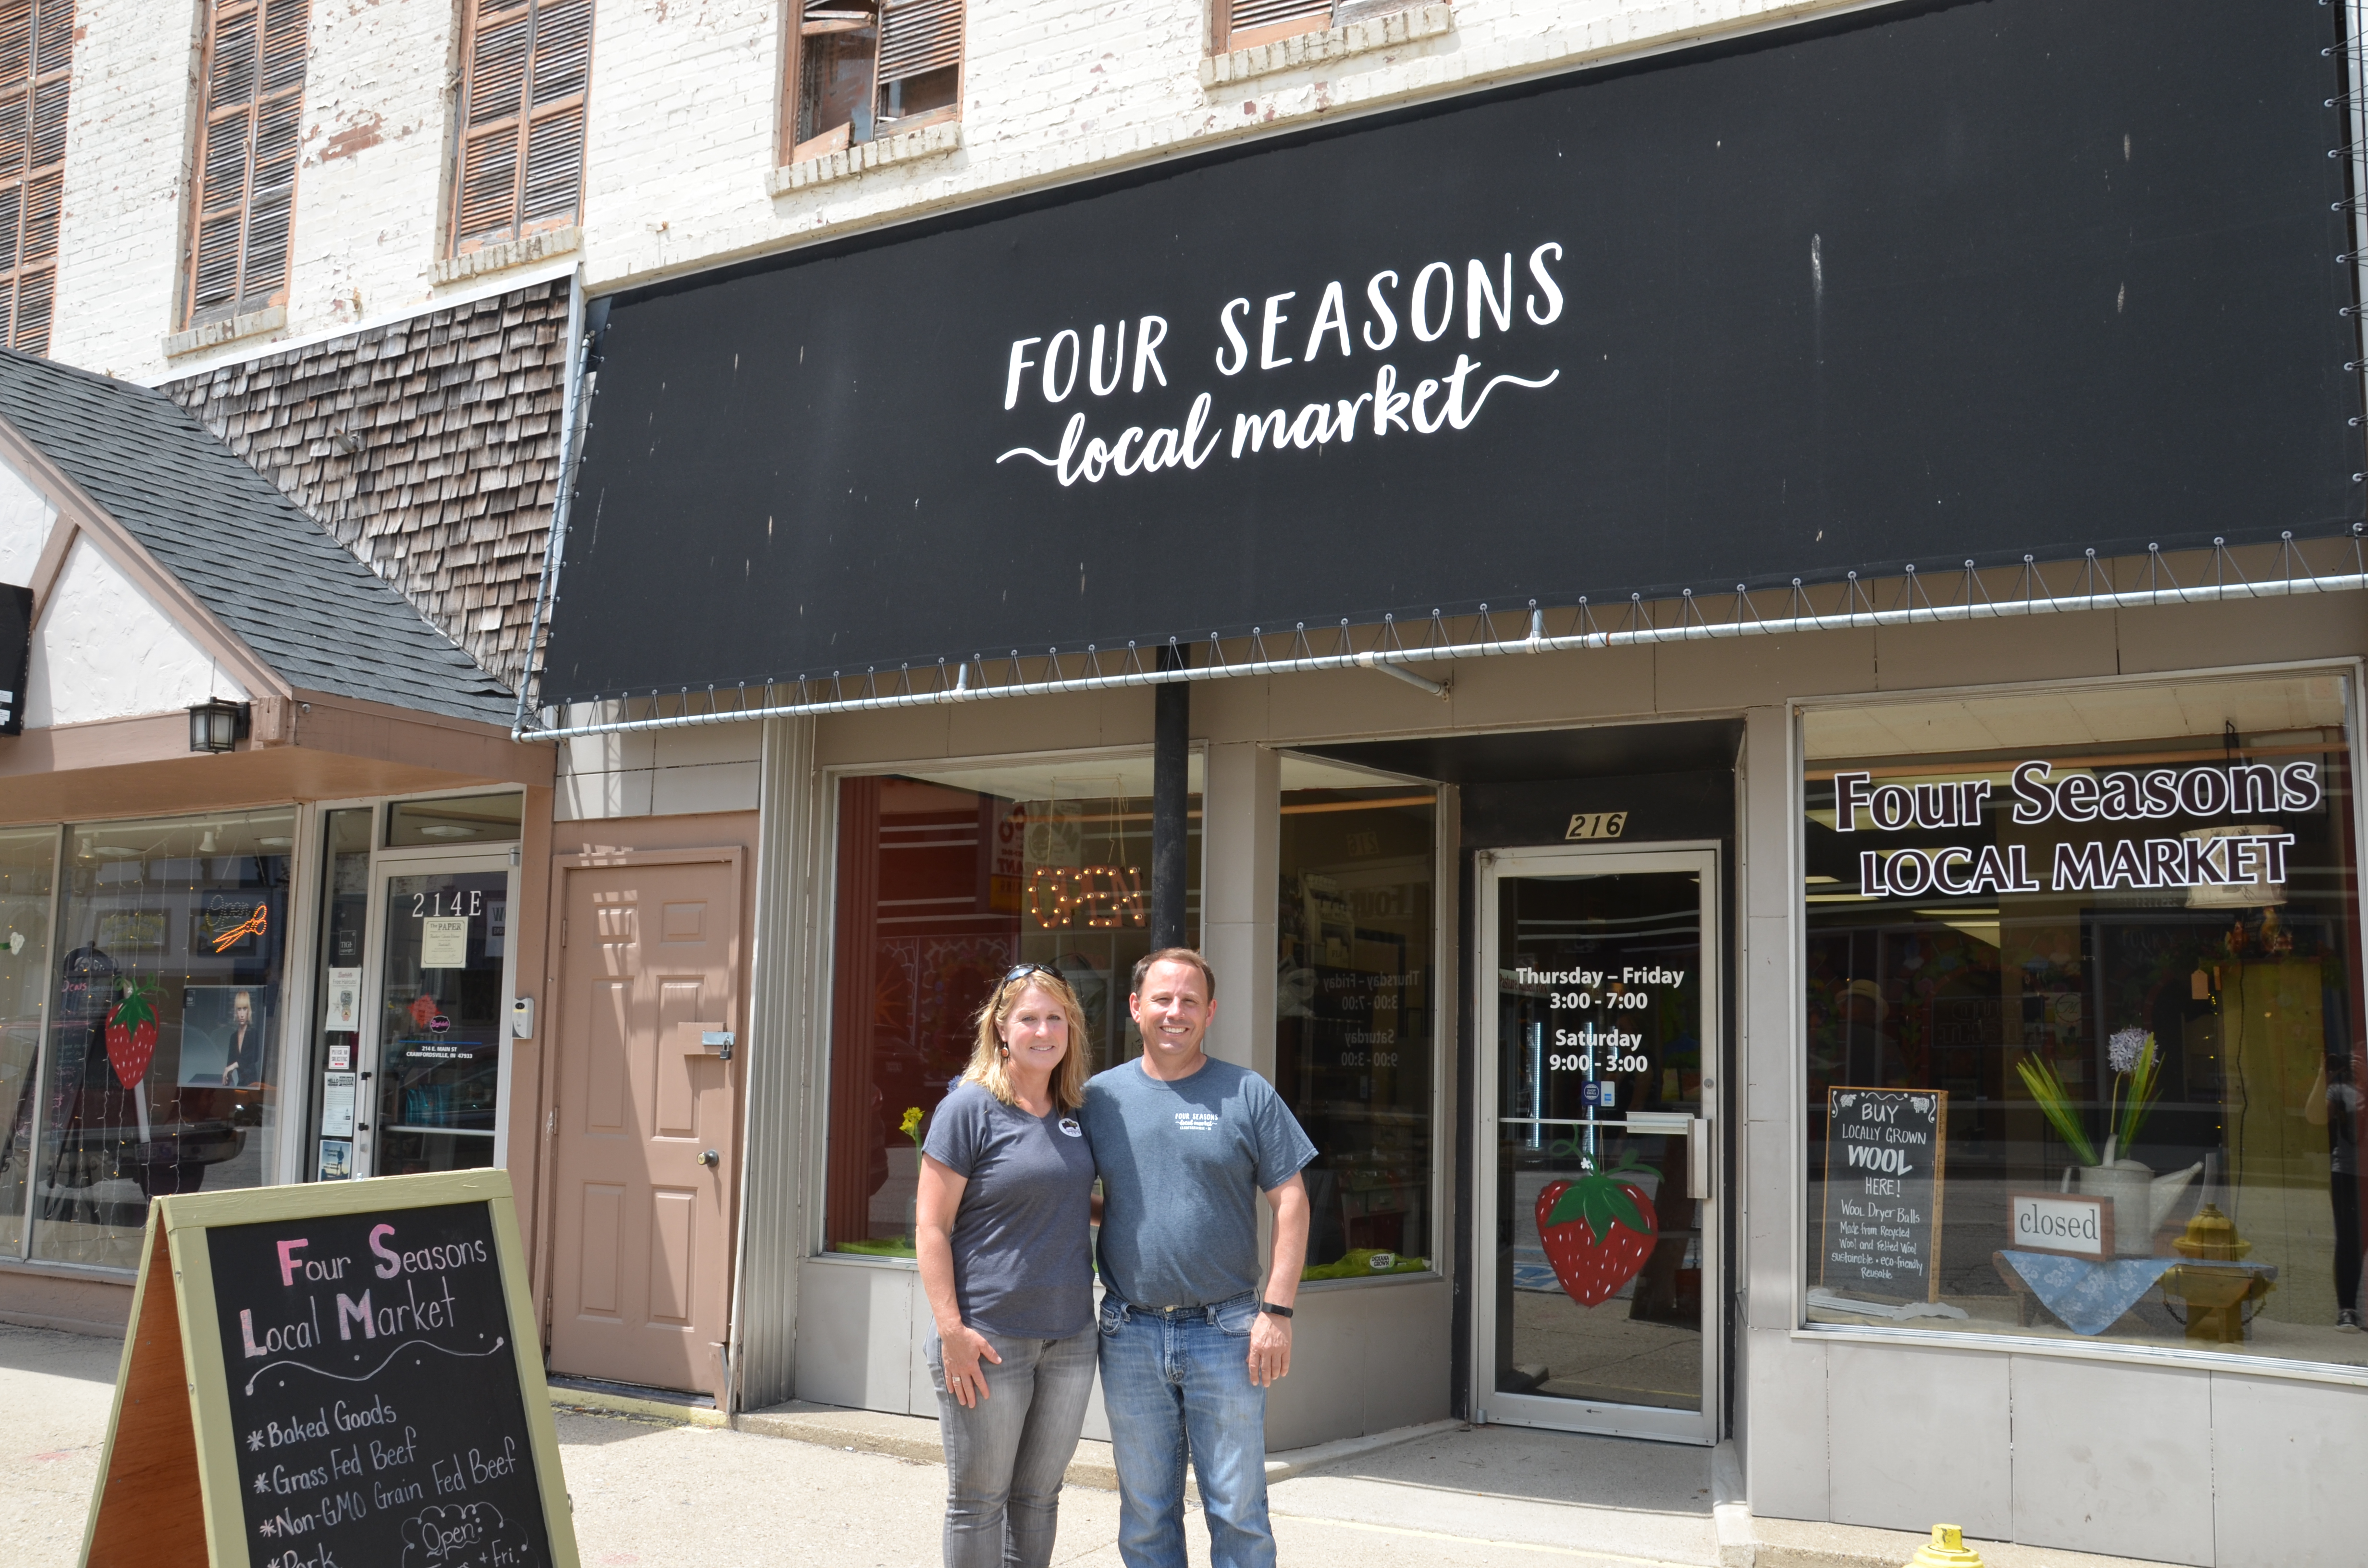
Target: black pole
{"type": "Point", "coordinates": [1171, 743]}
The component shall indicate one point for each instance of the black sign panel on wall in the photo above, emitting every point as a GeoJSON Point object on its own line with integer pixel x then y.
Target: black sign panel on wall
{"type": "Point", "coordinates": [1927, 283]}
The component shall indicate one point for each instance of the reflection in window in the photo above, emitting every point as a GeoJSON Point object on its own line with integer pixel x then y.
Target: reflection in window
{"type": "Point", "coordinates": [2121, 937]}
{"type": "Point", "coordinates": [28, 859]}
{"type": "Point", "coordinates": [161, 1073]}
{"type": "Point", "coordinates": [944, 883]}
{"type": "Point", "coordinates": [1353, 1009]}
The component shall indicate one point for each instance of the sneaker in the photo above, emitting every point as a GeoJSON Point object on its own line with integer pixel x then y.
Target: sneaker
{"type": "Point", "coordinates": [2348, 1318]}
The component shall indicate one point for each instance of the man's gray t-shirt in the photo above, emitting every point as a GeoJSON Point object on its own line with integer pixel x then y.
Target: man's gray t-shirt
{"type": "Point", "coordinates": [1184, 1166]}
{"type": "Point", "coordinates": [1023, 1263]}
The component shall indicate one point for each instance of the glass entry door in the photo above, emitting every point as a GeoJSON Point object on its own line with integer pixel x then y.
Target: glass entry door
{"type": "Point", "coordinates": [1598, 1007]}
{"type": "Point", "coordinates": [432, 1101]}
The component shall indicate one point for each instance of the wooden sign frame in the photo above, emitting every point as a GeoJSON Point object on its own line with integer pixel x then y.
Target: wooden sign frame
{"type": "Point", "coordinates": [2104, 1207]}
{"type": "Point", "coordinates": [1940, 1178]}
{"type": "Point", "coordinates": [169, 1491]}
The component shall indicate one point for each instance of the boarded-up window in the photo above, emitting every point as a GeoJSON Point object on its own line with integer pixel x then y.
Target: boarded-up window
{"type": "Point", "coordinates": [36, 57]}
{"type": "Point", "coordinates": [250, 123]}
{"type": "Point", "coordinates": [521, 154]}
{"type": "Point", "coordinates": [871, 68]}
{"type": "Point", "coordinates": [1244, 24]}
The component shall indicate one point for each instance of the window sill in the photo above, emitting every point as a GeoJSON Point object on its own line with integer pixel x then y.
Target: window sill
{"type": "Point", "coordinates": [2219, 1363]}
{"type": "Point", "coordinates": [905, 147]}
{"type": "Point", "coordinates": [508, 253]}
{"type": "Point", "coordinates": [1409, 25]}
{"type": "Point", "coordinates": [254, 324]}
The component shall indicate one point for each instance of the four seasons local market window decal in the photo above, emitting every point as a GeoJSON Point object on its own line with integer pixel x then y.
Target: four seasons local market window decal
{"type": "Point", "coordinates": [2243, 854]}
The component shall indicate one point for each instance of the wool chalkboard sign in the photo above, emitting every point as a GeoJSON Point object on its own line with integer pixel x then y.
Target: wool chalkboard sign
{"type": "Point", "coordinates": [339, 1376]}
{"type": "Point", "coordinates": [1886, 1156]}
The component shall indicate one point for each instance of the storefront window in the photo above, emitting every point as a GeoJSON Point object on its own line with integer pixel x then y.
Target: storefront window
{"type": "Point", "coordinates": [27, 863]}
{"type": "Point", "coordinates": [945, 880]}
{"type": "Point", "coordinates": [2084, 1016]}
{"type": "Point", "coordinates": [161, 1066]}
{"type": "Point", "coordinates": [1353, 1013]}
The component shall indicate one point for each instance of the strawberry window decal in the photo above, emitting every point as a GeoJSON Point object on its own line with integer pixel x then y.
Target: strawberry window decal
{"type": "Point", "coordinates": [1597, 1230]}
{"type": "Point", "coordinates": [131, 1033]}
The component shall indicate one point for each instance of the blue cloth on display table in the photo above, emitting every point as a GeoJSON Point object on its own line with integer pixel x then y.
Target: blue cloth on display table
{"type": "Point", "coordinates": [2089, 1297]}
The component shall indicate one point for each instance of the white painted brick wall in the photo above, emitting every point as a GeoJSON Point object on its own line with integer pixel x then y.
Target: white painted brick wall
{"type": "Point", "coordinates": [685, 102]}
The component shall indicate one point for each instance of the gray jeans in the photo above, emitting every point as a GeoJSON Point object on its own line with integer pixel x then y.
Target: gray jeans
{"type": "Point", "coordinates": [1005, 1456]}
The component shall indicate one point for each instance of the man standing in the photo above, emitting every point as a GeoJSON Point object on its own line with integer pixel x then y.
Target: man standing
{"type": "Point", "coordinates": [1185, 1144]}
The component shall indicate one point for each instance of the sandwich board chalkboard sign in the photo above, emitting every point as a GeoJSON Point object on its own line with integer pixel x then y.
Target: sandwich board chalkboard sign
{"type": "Point", "coordinates": [1886, 1156]}
{"type": "Point", "coordinates": [345, 1375]}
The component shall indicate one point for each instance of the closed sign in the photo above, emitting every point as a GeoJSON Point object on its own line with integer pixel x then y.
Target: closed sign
{"type": "Point", "coordinates": [2082, 1227]}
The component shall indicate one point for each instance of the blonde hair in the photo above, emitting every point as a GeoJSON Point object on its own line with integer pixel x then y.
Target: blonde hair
{"type": "Point", "coordinates": [990, 1067]}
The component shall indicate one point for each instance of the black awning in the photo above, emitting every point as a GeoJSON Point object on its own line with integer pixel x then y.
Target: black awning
{"type": "Point", "coordinates": [1922, 284]}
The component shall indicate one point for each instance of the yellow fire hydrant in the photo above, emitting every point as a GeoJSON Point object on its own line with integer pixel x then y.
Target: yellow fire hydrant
{"type": "Point", "coordinates": [1947, 1549]}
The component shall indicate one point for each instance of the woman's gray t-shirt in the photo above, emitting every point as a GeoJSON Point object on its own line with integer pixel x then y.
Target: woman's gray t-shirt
{"type": "Point", "coordinates": [1023, 1259]}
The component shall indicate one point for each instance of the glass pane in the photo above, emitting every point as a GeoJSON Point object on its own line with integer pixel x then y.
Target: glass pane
{"type": "Point", "coordinates": [2116, 949]}
{"type": "Point", "coordinates": [1599, 1272]}
{"type": "Point", "coordinates": [1353, 1051]}
{"type": "Point", "coordinates": [334, 1104]}
{"type": "Point", "coordinates": [457, 821]}
{"type": "Point", "coordinates": [28, 861]}
{"type": "Point", "coordinates": [162, 1059]}
{"type": "Point", "coordinates": [440, 1025]}
{"type": "Point", "coordinates": [944, 884]}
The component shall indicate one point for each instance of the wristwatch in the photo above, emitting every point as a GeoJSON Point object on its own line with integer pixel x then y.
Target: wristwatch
{"type": "Point", "coordinates": [1271, 1307]}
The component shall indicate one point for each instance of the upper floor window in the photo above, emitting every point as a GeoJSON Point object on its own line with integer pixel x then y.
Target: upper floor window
{"type": "Point", "coordinates": [36, 57]}
{"type": "Point", "coordinates": [871, 68]}
{"type": "Point", "coordinates": [249, 127]}
{"type": "Point", "coordinates": [1245, 24]}
{"type": "Point", "coordinates": [529, 64]}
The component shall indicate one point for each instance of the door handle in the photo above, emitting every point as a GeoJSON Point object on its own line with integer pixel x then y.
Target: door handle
{"type": "Point", "coordinates": [709, 1158]}
{"type": "Point", "coordinates": [1698, 1158]}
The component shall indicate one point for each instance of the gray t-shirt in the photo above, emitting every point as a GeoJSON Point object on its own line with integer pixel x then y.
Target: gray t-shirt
{"type": "Point", "coordinates": [1023, 1262]}
{"type": "Point", "coordinates": [1183, 1166]}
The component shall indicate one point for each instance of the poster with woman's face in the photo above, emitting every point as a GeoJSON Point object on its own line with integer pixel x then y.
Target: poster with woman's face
{"type": "Point", "coordinates": [224, 1033]}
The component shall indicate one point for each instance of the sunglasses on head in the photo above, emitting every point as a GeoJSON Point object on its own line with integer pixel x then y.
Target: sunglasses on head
{"type": "Point", "coordinates": [1021, 972]}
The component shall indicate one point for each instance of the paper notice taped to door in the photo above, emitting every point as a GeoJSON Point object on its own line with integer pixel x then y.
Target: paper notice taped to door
{"type": "Point", "coordinates": [337, 1104]}
{"type": "Point", "coordinates": [444, 941]}
{"type": "Point", "coordinates": [345, 997]}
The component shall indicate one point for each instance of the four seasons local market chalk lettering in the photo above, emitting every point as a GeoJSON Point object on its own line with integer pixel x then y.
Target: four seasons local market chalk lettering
{"type": "Point", "coordinates": [363, 1385]}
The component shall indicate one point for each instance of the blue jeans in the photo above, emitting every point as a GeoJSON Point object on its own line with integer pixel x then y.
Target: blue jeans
{"type": "Point", "coordinates": [1177, 1385]}
{"type": "Point", "coordinates": [1006, 1455]}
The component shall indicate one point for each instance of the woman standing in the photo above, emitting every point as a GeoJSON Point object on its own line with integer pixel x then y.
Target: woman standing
{"type": "Point", "coordinates": [1006, 1184]}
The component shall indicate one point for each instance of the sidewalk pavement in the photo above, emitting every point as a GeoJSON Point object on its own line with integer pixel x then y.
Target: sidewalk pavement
{"type": "Point", "coordinates": [859, 1490]}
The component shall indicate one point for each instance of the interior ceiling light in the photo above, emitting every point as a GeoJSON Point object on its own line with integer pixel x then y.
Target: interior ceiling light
{"type": "Point", "coordinates": [447, 830]}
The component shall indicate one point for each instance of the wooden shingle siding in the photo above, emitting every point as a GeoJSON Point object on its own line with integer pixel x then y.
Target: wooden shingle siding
{"type": "Point", "coordinates": [36, 86]}
{"type": "Point", "coordinates": [458, 416]}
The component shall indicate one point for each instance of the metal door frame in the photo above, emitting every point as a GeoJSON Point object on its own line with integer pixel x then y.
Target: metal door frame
{"type": "Point", "coordinates": [386, 864]}
{"type": "Point", "coordinates": [1490, 867]}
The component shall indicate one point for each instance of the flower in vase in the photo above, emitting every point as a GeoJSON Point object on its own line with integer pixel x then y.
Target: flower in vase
{"type": "Point", "coordinates": [911, 1125]}
{"type": "Point", "coordinates": [2123, 1049]}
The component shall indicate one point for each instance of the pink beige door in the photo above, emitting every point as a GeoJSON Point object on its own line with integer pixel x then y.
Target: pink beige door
{"type": "Point", "coordinates": [644, 1161]}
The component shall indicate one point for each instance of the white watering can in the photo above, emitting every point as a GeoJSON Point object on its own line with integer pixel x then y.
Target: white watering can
{"type": "Point", "coordinates": [2142, 1200]}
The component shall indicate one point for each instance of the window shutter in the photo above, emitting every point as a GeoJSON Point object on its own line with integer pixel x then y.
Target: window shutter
{"type": "Point", "coordinates": [246, 176]}
{"type": "Point", "coordinates": [1263, 21]}
{"type": "Point", "coordinates": [521, 165]}
{"type": "Point", "coordinates": [917, 37]}
{"type": "Point", "coordinates": [36, 56]}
